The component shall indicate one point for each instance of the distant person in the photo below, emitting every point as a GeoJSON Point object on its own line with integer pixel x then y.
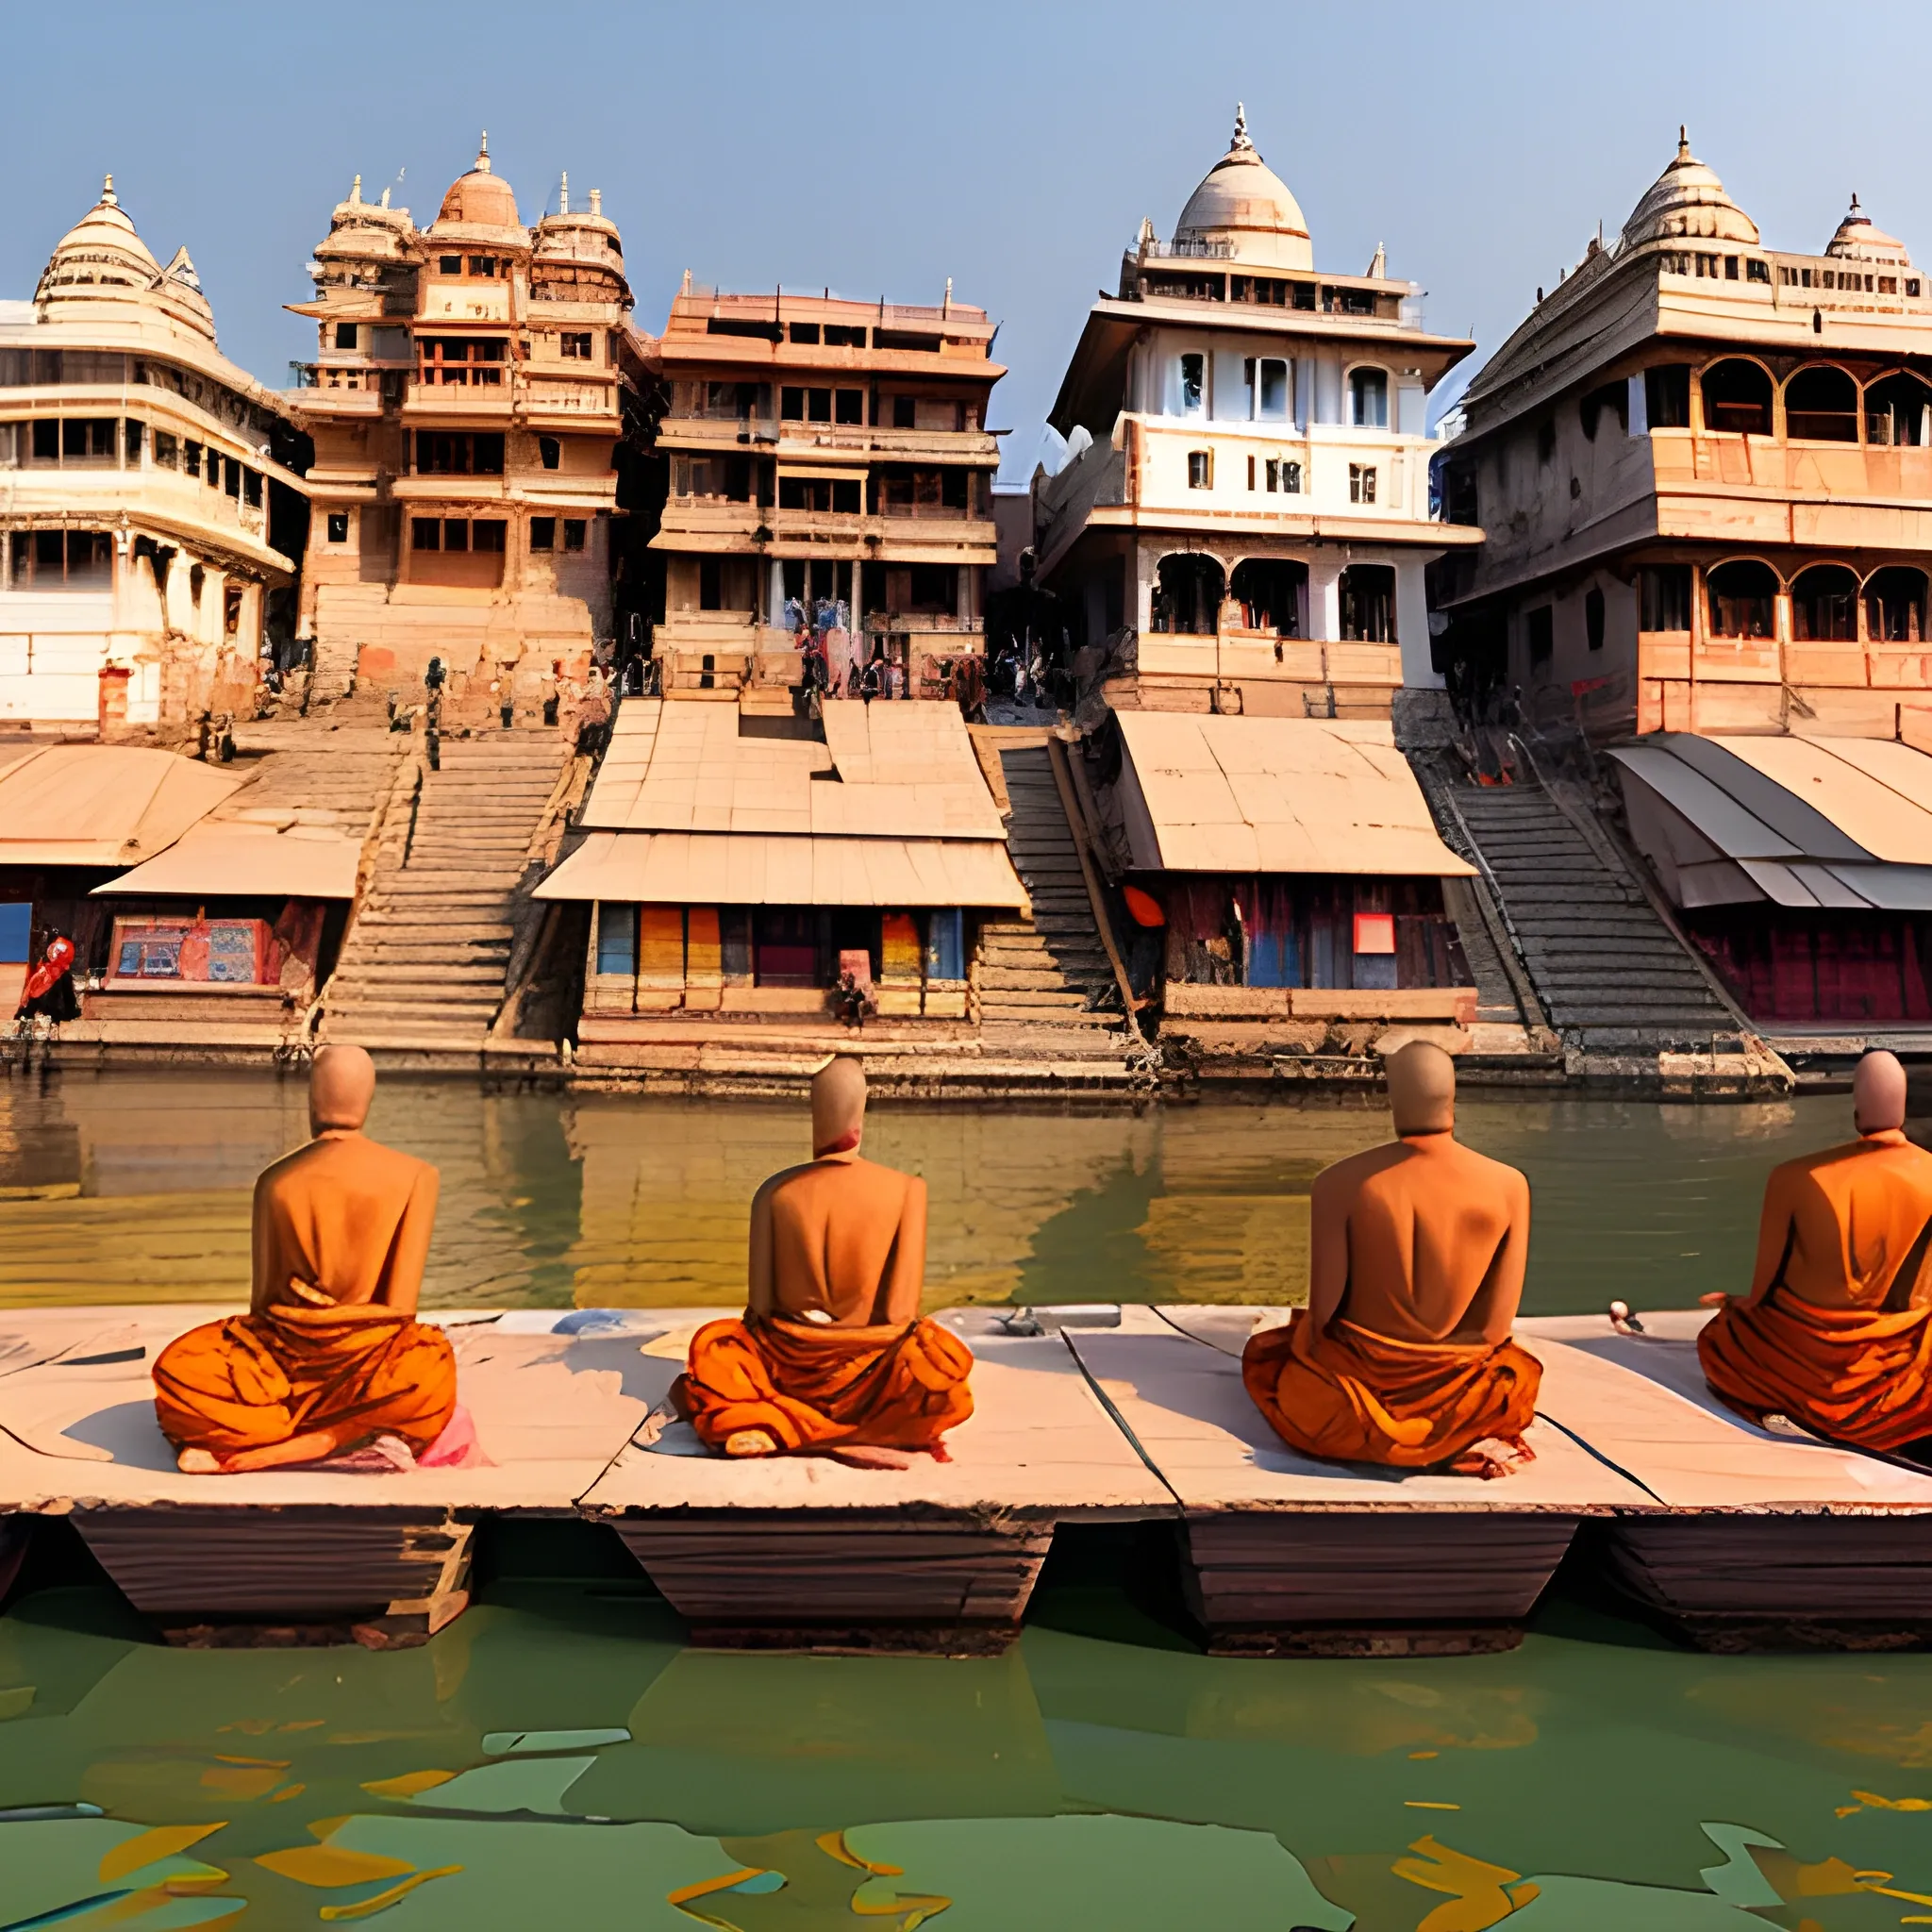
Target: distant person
{"type": "Point", "coordinates": [831, 1351]}
{"type": "Point", "coordinates": [1833, 1332]}
{"type": "Point", "coordinates": [48, 993]}
{"type": "Point", "coordinates": [329, 1356]}
{"type": "Point", "coordinates": [1403, 1355]}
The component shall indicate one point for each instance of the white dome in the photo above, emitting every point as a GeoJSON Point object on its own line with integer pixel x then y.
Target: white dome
{"type": "Point", "coordinates": [1687, 199]}
{"type": "Point", "coordinates": [100, 252]}
{"type": "Point", "coordinates": [1856, 240]}
{"type": "Point", "coordinates": [1246, 207]}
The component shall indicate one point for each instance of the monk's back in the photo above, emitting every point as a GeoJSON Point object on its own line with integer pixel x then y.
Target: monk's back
{"type": "Point", "coordinates": [330, 1214]}
{"type": "Point", "coordinates": [835, 1225]}
{"type": "Point", "coordinates": [1856, 1213]}
{"type": "Point", "coordinates": [1426, 1220]}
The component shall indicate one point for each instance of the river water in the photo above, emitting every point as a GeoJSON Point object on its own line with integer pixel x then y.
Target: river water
{"type": "Point", "coordinates": [559, 1755]}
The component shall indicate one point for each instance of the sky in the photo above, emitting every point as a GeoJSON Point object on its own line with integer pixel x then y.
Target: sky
{"type": "Point", "coordinates": [1015, 147]}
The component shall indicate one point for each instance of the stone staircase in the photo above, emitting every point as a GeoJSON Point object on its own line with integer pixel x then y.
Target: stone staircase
{"type": "Point", "coordinates": [424, 966]}
{"type": "Point", "coordinates": [1611, 975]}
{"type": "Point", "coordinates": [1046, 988]}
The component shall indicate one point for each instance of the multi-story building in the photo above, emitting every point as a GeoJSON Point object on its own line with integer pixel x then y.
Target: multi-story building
{"type": "Point", "coordinates": [1248, 489]}
{"type": "Point", "coordinates": [1704, 468]}
{"type": "Point", "coordinates": [151, 508]}
{"type": "Point", "coordinates": [466, 400]}
{"type": "Point", "coordinates": [822, 452]}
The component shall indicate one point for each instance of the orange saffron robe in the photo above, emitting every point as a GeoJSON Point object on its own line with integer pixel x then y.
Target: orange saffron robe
{"type": "Point", "coordinates": [847, 1241]}
{"type": "Point", "coordinates": [1430, 1237]}
{"type": "Point", "coordinates": [340, 1227]}
{"type": "Point", "coordinates": [1836, 1331]}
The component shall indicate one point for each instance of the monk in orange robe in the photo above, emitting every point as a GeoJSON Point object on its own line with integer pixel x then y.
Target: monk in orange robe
{"type": "Point", "coordinates": [831, 1353]}
{"type": "Point", "coordinates": [1403, 1355]}
{"type": "Point", "coordinates": [328, 1357]}
{"type": "Point", "coordinates": [1836, 1332]}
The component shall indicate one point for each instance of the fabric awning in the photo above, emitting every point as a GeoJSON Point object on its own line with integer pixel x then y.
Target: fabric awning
{"type": "Point", "coordinates": [1206, 794]}
{"type": "Point", "coordinates": [227, 859]}
{"type": "Point", "coordinates": [756, 868]}
{"type": "Point", "coordinates": [95, 804]}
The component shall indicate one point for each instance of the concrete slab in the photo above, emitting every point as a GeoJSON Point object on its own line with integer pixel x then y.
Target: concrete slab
{"type": "Point", "coordinates": [1292, 1555]}
{"type": "Point", "coordinates": [806, 1552]}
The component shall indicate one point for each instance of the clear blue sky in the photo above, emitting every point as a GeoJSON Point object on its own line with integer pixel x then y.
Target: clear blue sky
{"type": "Point", "coordinates": [1013, 147]}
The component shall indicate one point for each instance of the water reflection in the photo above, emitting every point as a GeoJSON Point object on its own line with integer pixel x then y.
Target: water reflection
{"type": "Point", "coordinates": [557, 1749]}
{"type": "Point", "coordinates": [134, 1186]}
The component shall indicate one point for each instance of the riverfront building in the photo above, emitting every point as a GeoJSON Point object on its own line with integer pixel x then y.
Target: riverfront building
{"type": "Point", "coordinates": [1248, 492]}
{"type": "Point", "coordinates": [467, 398]}
{"type": "Point", "coordinates": [151, 520]}
{"type": "Point", "coordinates": [831, 464]}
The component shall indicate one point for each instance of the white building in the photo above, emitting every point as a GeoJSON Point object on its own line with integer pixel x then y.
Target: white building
{"type": "Point", "coordinates": [1249, 488]}
{"type": "Point", "coordinates": [147, 514]}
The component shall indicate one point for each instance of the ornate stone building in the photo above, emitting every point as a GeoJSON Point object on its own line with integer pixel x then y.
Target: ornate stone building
{"type": "Point", "coordinates": [151, 508]}
{"type": "Point", "coordinates": [466, 399]}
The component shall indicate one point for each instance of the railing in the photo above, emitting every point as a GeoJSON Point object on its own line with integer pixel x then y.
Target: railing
{"type": "Point", "coordinates": [1189, 250]}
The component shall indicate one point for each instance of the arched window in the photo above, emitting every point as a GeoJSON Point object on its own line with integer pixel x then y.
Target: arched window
{"type": "Point", "coordinates": [1187, 595]}
{"type": "Point", "coordinates": [1824, 606]}
{"type": "Point", "coordinates": [1821, 406]}
{"type": "Point", "coordinates": [1271, 591]}
{"type": "Point", "coordinates": [1737, 396]}
{"type": "Point", "coordinates": [1898, 411]}
{"type": "Point", "coordinates": [1368, 398]}
{"type": "Point", "coordinates": [1367, 603]}
{"type": "Point", "coordinates": [1743, 600]}
{"type": "Point", "coordinates": [1895, 606]}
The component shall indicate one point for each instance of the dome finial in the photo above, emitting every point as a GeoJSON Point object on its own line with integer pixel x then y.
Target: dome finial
{"type": "Point", "coordinates": [356, 191]}
{"type": "Point", "coordinates": [597, 202]}
{"type": "Point", "coordinates": [1241, 144]}
{"type": "Point", "coordinates": [108, 195]}
{"type": "Point", "coordinates": [1683, 142]}
{"type": "Point", "coordinates": [563, 194]}
{"type": "Point", "coordinates": [483, 154]}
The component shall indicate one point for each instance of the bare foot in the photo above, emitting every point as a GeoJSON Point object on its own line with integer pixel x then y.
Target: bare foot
{"type": "Point", "coordinates": [872, 1455]}
{"type": "Point", "coordinates": [1715, 1299]}
{"type": "Point", "coordinates": [749, 1442]}
{"type": "Point", "coordinates": [1494, 1455]}
{"type": "Point", "coordinates": [197, 1462]}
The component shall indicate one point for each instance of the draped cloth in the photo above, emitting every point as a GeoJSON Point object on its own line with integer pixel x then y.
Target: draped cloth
{"type": "Point", "coordinates": [256, 1380]}
{"type": "Point", "coordinates": [1347, 1394]}
{"type": "Point", "coordinates": [812, 1385]}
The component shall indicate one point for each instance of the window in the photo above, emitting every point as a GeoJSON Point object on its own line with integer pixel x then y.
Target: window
{"type": "Point", "coordinates": [449, 264]}
{"type": "Point", "coordinates": [443, 453]}
{"type": "Point", "coordinates": [1284, 474]}
{"type": "Point", "coordinates": [484, 265]}
{"type": "Point", "coordinates": [1824, 606]}
{"type": "Point", "coordinates": [1251, 473]}
{"type": "Point", "coordinates": [1200, 469]}
{"type": "Point", "coordinates": [839, 336]}
{"type": "Point", "coordinates": [345, 334]}
{"type": "Point", "coordinates": [167, 456]}
{"type": "Point", "coordinates": [251, 487]}
{"type": "Point", "coordinates": [573, 529]}
{"type": "Point", "coordinates": [1460, 501]}
{"type": "Point", "coordinates": [542, 533]}
{"type": "Point", "coordinates": [191, 457]}
{"type": "Point", "coordinates": [47, 442]}
{"type": "Point", "coordinates": [1821, 406]}
{"type": "Point", "coordinates": [457, 362]}
{"type": "Point", "coordinates": [232, 611]}
{"type": "Point", "coordinates": [905, 412]}
{"type": "Point", "coordinates": [212, 470]}
{"type": "Point", "coordinates": [1594, 618]}
{"type": "Point", "coordinates": [1267, 384]}
{"type": "Point", "coordinates": [1898, 411]}
{"type": "Point", "coordinates": [1539, 636]}
{"type": "Point", "coordinates": [1193, 383]}
{"type": "Point", "coordinates": [1667, 396]}
{"type": "Point", "coordinates": [1361, 483]}
{"type": "Point", "coordinates": [1367, 603]}
{"type": "Point", "coordinates": [1730, 268]}
{"type": "Point", "coordinates": [1368, 398]}
{"type": "Point", "coordinates": [1737, 398]}
{"type": "Point", "coordinates": [231, 477]}
{"type": "Point", "coordinates": [806, 333]}
{"type": "Point", "coordinates": [63, 560]}
{"type": "Point", "coordinates": [1895, 606]}
{"type": "Point", "coordinates": [617, 940]}
{"type": "Point", "coordinates": [1666, 596]}
{"type": "Point", "coordinates": [456, 533]}
{"type": "Point", "coordinates": [426, 533]}
{"type": "Point", "coordinates": [1757, 271]}
{"type": "Point", "coordinates": [1741, 598]}
{"type": "Point", "coordinates": [88, 439]}
{"type": "Point", "coordinates": [575, 344]}
{"type": "Point", "coordinates": [837, 496]}
{"type": "Point", "coordinates": [486, 533]}
{"type": "Point", "coordinates": [337, 526]}
{"type": "Point", "coordinates": [133, 432]}
{"type": "Point", "coordinates": [549, 451]}
{"type": "Point", "coordinates": [849, 406]}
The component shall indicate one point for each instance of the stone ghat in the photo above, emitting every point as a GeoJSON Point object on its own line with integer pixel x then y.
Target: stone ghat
{"type": "Point", "coordinates": [1731, 1535]}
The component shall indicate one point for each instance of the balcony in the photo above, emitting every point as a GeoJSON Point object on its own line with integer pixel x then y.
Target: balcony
{"type": "Point", "coordinates": [449, 401]}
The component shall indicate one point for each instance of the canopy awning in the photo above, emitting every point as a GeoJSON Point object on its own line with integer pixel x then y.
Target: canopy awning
{"type": "Point", "coordinates": [1206, 794]}
{"type": "Point", "coordinates": [756, 868]}
{"type": "Point", "coordinates": [224, 858]}
{"type": "Point", "coordinates": [102, 804]}
{"type": "Point", "coordinates": [1806, 822]}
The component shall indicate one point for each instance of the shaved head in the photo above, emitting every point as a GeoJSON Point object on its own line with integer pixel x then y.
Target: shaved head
{"type": "Point", "coordinates": [1879, 1093]}
{"type": "Point", "coordinates": [1421, 1089]}
{"type": "Point", "coordinates": [838, 1102]}
{"type": "Point", "coordinates": [341, 1084]}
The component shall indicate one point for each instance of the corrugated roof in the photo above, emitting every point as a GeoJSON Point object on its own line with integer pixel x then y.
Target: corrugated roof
{"type": "Point", "coordinates": [230, 858]}
{"type": "Point", "coordinates": [98, 805]}
{"type": "Point", "coordinates": [755, 869]}
{"type": "Point", "coordinates": [901, 769]}
{"type": "Point", "coordinates": [1206, 794]}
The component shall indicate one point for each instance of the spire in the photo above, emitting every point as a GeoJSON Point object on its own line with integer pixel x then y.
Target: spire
{"type": "Point", "coordinates": [1378, 267]}
{"type": "Point", "coordinates": [1683, 142]}
{"type": "Point", "coordinates": [563, 194]}
{"type": "Point", "coordinates": [596, 201]}
{"type": "Point", "coordinates": [482, 166]}
{"type": "Point", "coordinates": [356, 193]}
{"type": "Point", "coordinates": [385, 197]}
{"type": "Point", "coordinates": [108, 198]}
{"type": "Point", "coordinates": [1240, 144]}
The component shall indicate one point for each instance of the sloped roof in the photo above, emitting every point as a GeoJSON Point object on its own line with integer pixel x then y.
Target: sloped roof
{"type": "Point", "coordinates": [1206, 794]}
{"type": "Point", "coordinates": [241, 858]}
{"type": "Point", "coordinates": [98, 804]}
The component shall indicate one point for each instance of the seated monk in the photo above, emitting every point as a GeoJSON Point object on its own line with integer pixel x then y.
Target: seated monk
{"type": "Point", "coordinates": [328, 1358]}
{"type": "Point", "coordinates": [1834, 1333]}
{"type": "Point", "coordinates": [1403, 1355]}
{"type": "Point", "coordinates": [831, 1353]}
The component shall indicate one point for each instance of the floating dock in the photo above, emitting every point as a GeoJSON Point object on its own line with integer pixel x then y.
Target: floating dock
{"type": "Point", "coordinates": [1734, 1536]}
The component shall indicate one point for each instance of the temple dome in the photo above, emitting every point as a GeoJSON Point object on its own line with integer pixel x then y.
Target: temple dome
{"type": "Point", "coordinates": [1687, 199]}
{"type": "Point", "coordinates": [1243, 205]}
{"type": "Point", "coordinates": [100, 253]}
{"type": "Point", "coordinates": [480, 199]}
{"type": "Point", "coordinates": [1856, 240]}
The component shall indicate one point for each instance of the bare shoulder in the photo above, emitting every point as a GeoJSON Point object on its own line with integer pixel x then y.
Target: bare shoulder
{"type": "Point", "coordinates": [772, 1184]}
{"type": "Point", "coordinates": [1345, 1175]}
{"type": "Point", "coordinates": [1512, 1179]}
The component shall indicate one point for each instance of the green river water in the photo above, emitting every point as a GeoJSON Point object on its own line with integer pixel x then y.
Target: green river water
{"type": "Point", "coordinates": [558, 1757]}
